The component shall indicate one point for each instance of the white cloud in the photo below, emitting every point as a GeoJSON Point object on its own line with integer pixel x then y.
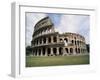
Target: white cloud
{"type": "Point", "coordinates": [68, 23]}
{"type": "Point", "coordinates": [76, 24]}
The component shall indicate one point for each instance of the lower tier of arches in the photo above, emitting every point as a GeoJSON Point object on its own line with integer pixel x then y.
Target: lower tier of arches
{"type": "Point", "coordinates": [58, 51]}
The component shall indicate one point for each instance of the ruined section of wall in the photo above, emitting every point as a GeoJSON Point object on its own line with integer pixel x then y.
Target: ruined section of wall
{"type": "Point", "coordinates": [47, 42]}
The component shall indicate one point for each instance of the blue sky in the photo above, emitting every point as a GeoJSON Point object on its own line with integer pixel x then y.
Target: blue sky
{"type": "Point", "coordinates": [62, 23]}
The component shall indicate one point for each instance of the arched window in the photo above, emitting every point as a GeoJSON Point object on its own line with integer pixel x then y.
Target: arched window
{"type": "Point", "coordinates": [60, 51]}
{"type": "Point", "coordinates": [78, 50]}
{"type": "Point", "coordinates": [71, 50]}
{"type": "Point", "coordinates": [66, 50]}
{"type": "Point", "coordinates": [72, 41]}
{"type": "Point", "coordinates": [54, 51]}
{"type": "Point", "coordinates": [66, 40]}
{"type": "Point", "coordinates": [36, 52]}
{"type": "Point", "coordinates": [61, 40]}
{"type": "Point", "coordinates": [49, 39]}
{"type": "Point", "coordinates": [43, 51]}
{"type": "Point", "coordinates": [75, 42]}
{"type": "Point", "coordinates": [37, 42]}
{"type": "Point", "coordinates": [54, 39]}
{"type": "Point", "coordinates": [40, 41]}
{"type": "Point", "coordinates": [44, 40]}
{"type": "Point", "coordinates": [39, 51]}
{"type": "Point", "coordinates": [49, 51]}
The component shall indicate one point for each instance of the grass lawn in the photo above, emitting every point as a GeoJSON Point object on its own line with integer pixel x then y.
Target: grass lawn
{"type": "Point", "coordinates": [33, 61]}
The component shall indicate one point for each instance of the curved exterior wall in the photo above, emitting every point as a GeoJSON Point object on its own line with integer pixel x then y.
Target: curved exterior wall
{"type": "Point", "coordinates": [47, 42]}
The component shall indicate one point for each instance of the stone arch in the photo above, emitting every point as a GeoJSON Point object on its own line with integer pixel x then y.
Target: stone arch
{"type": "Point", "coordinates": [66, 50]}
{"type": "Point", "coordinates": [78, 50]}
{"type": "Point", "coordinates": [44, 40]}
{"type": "Point", "coordinates": [54, 39]}
{"type": "Point", "coordinates": [54, 51]}
{"type": "Point", "coordinates": [49, 39]}
{"type": "Point", "coordinates": [72, 41]}
{"type": "Point", "coordinates": [49, 51]}
{"type": "Point", "coordinates": [71, 50]}
{"type": "Point", "coordinates": [43, 51]}
{"type": "Point", "coordinates": [39, 52]}
{"type": "Point", "coordinates": [37, 42]}
{"type": "Point", "coordinates": [66, 40]}
{"type": "Point", "coordinates": [60, 51]}
{"type": "Point", "coordinates": [75, 42]}
{"type": "Point", "coordinates": [61, 39]}
{"type": "Point", "coordinates": [40, 41]}
{"type": "Point", "coordinates": [36, 52]}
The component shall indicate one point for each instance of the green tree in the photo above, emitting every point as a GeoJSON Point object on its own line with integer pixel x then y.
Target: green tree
{"type": "Point", "coordinates": [28, 50]}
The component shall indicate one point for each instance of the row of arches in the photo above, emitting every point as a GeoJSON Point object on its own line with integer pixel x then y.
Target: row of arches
{"type": "Point", "coordinates": [74, 42]}
{"type": "Point", "coordinates": [44, 40]}
{"type": "Point", "coordinates": [58, 51]}
{"type": "Point", "coordinates": [44, 31]}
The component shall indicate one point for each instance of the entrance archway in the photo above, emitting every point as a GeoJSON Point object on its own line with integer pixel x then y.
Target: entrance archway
{"type": "Point", "coordinates": [60, 51]}
{"type": "Point", "coordinates": [49, 51]}
{"type": "Point", "coordinates": [71, 50]}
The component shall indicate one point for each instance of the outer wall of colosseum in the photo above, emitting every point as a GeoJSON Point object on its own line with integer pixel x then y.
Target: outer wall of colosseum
{"type": "Point", "coordinates": [47, 42]}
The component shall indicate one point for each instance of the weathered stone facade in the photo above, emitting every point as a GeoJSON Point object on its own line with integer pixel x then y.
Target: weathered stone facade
{"type": "Point", "coordinates": [47, 42]}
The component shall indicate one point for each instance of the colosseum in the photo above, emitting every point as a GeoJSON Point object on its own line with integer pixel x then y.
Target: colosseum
{"type": "Point", "coordinates": [48, 42]}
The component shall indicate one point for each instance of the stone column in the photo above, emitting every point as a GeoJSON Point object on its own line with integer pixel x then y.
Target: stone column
{"type": "Point", "coordinates": [57, 39]}
{"type": "Point", "coordinates": [64, 52]}
{"type": "Point", "coordinates": [51, 51]}
{"type": "Point", "coordinates": [74, 52]}
{"type": "Point", "coordinates": [42, 40]}
{"type": "Point", "coordinates": [45, 51]}
{"type": "Point", "coordinates": [57, 51]}
{"type": "Point", "coordinates": [46, 40]}
{"type": "Point", "coordinates": [41, 52]}
{"type": "Point", "coordinates": [51, 39]}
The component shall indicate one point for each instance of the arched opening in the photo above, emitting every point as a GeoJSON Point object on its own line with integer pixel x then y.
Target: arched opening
{"type": "Point", "coordinates": [54, 39]}
{"type": "Point", "coordinates": [66, 50]}
{"type": "Point", "coordinates": [54, 51]}
{"type": "Point", "coordinates": [61, 40]}
{"type": "Point", "coordinates": [66, 40]}
{"type": "Point", "coordinates": [60, 51]}
{"type": "Point", "coordinates": [43, 51]}
{"type": "Point", "coordinates": [36, 52]}
{"type": "Point", "coordinates": [40, 41]}
{"type": "Point", "coordinates": [71, 50]}
{"type": "Point", "coordinates": [39, 52]}
{"type": "Point", "coordinates": [75, 42]}
{"type": "Point", "coordinates": [44, 40]}
{"type": "Point", "coordinates": [78, 50]}
{"type": "Point", "coordinates": [49, 51]}
{"type": "Point", "coordinates": [72, 41]}
{"type": "Point", "coordinates": [37, 42]}
{"type": "Point", "coordinates": [49, 39]}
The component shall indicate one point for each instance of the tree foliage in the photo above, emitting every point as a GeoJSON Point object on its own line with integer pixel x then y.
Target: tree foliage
{"type": "Point", "coordinates": [28, 50]}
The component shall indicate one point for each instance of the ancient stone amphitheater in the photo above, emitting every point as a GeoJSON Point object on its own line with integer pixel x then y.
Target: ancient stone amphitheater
{"type": "Point", "coordinates": [47, 42]}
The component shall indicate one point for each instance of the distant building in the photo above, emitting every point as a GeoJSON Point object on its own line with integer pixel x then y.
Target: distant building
{"type": "Point", "coordinates": [47, 42]}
